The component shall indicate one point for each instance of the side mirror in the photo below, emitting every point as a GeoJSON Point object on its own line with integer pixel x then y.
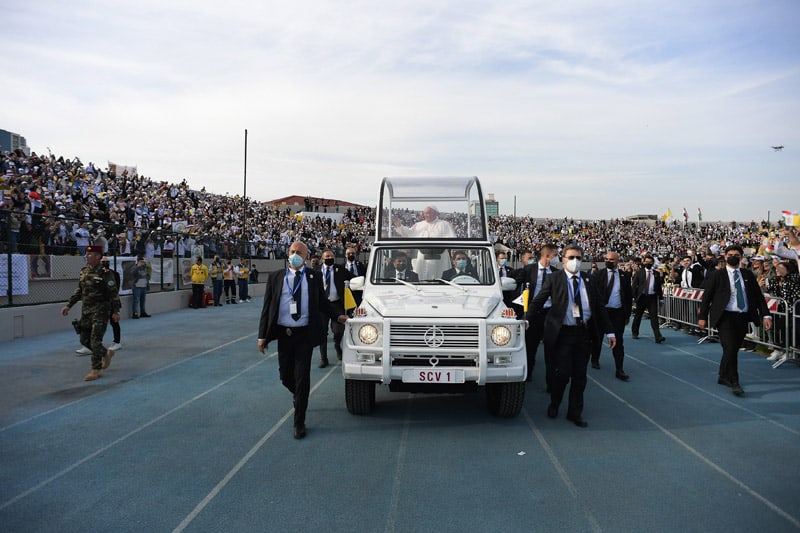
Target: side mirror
{"type": "Point", "coordinates": [357, 283]}
{"type": "Point", "coordinates": [508, 284]}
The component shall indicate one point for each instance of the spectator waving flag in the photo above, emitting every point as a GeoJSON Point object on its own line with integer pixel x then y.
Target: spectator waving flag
{"type": "Point", "coordinates": [699, 215]}
{"type": "Point", "coordinates": [685, 215]}
{"type": "Point", "coordinates": [791, 218]}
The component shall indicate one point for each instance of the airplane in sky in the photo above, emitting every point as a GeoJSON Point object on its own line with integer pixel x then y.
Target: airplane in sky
{"type": "Point", "coordinates": [777, 148]}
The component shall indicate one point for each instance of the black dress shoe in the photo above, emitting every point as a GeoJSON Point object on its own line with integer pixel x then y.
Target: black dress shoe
{"type": "Point", "coordinates": [145, 315]}
{"type": "Point", "coordinates": [323, 363]}
{"type": "Point", "coordinates": [737, 389]}
{"type": "Point", "coordinates": [635, 335]}
{"type": "Point", "coordinates": [622, 375]}
{"type": "Point", "coordinates": [578, 421]}
{"type": "Point", "coordinates": [552, 410]}
{"type": "Point", "coordinates": [299, 431]}
{"type": "Point", "coordinates": [660, 340]}
{"type": "Point", "coordinates": [723, 381]}
{"type": "Point", "coordinates": [595, 364]}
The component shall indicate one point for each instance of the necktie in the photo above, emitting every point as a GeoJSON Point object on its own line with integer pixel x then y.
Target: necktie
{"type": "Point", "coordinates": [576, 298]}
{"type": "Point", "coordinates": [737, 282]}
{"type": "Point", "coordinates": [296, 292]}
{"type": "Point", "coordinates": [327, 281]}
{"type": "Point", "coordinates": [400, 274]}
{"type": "Point", "coordinates": [544, 276]}
{"type": "Point", "coordinates": [647, 283]}
{"type": "Point", "coordinates": [610, 285]}
{"type": "Point", "coordinates": [502, 272]}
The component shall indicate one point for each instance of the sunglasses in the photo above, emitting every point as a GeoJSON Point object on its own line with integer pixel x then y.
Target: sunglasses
{"type": "Point", "coordinates": [573, 257]}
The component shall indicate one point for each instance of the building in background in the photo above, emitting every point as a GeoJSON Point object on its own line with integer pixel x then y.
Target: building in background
{"type": "Point", "coordinates": [492, 206]}
{"type": "Point", "coordinates": [12, 141]}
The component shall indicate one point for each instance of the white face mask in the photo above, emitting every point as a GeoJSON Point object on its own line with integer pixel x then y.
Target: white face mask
{"type": "Point", "coordinates": [573, 265]}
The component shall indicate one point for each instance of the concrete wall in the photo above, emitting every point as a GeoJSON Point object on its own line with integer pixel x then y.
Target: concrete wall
{"type": "Point", "coordinates": [32, 320]}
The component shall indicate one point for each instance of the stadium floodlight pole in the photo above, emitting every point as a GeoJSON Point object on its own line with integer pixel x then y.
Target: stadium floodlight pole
{"type": "Point", "coordinates": [246, 253]}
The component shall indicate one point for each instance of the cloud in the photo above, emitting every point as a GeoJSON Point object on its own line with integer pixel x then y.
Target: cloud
{"type": "Point", "coordinates": [668, 97]}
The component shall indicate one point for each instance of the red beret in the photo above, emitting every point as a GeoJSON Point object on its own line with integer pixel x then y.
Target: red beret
{"type": "Point", "coordinates": [95, 249]}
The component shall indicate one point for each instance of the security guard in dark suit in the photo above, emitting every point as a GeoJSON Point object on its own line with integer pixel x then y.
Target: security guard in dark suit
{"type": "Point", "coordinates": [294, 301]}
{"type": "Point", "coordinates": [731, 299]}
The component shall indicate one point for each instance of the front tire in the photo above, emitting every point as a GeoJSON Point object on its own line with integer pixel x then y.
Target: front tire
{"type": "Point", "coordinates": [359, 396]}
{"type": "Point", "coordinates": [505, 400]}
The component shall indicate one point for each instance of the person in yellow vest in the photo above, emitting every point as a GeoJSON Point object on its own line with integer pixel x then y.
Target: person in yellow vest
{"type": "Point", "coordinates": [217, 269]}
{"type": "Point", "coordinates": [243, 276]}
{"type": "Point", "coordinates": [229, 280]}
{"type": "Point", "coordinates": [199, 274]}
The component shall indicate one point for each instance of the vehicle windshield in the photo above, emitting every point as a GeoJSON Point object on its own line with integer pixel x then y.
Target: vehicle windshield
{"type": "Point", "coordinates": [431, 209]}
{"type": "Point", "coordinates": [462, 265]}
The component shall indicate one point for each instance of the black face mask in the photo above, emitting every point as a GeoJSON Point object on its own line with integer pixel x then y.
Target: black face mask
{"type": "Point", "coordinates": [733, 260]}
{"type": "Point", "coordinates": [611, 265]}
{"type": "Point", "coordinates": [648, 266]}
{"type": "Point", "coordinates": [328, 261]}
{"type": "Point", "coordinates": [400, 267]}
{"type": "Point", "coordinates": [351, 258]}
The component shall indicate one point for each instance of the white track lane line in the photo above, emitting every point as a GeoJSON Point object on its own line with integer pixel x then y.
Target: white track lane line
{"type": "Point", "coordinates": [794, 521]}
{"type": "Point", "coordinates": [97, 452]}
{"type": "Point", "coordinates": [243, 461]}
{"type": "Point", "coordinates": [152, 372]}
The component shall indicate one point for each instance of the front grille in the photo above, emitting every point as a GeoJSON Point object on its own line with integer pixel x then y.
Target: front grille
{"type": "Point", "coordinates": [424, 360]}
{"type": "Point", "coordinates": [452, 336]}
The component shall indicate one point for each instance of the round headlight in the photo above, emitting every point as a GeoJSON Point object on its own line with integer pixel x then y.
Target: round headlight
{"type": "Point", "coordinates": [368, 334]}
{"type": "Point", "coordinates": [501, 335]}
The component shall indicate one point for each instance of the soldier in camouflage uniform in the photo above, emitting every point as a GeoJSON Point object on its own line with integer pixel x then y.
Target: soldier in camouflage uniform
{"type": "Point", "coordinates": [97, 289]}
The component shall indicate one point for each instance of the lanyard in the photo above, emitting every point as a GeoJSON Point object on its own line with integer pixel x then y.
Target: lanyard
{"type": "Point", "coordinates": [295, 285]}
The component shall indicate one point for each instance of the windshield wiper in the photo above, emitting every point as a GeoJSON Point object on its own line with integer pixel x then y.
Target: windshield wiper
{"type": "Point", "coordinates": [404, 282]}
{"type": "Point", "coordinates": [456, 285]}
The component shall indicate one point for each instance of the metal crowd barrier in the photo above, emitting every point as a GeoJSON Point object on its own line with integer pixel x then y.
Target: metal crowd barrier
{"type": "Point", "coordinates": [680, 307]}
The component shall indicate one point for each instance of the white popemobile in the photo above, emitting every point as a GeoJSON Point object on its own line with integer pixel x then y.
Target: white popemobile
{"type": "Point", "coordinates": [432, 317]}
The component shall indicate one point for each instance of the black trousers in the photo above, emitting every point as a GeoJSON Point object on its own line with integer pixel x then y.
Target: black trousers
{"type": "Point", "coordinates": [336, 327]}
{"type": "Point", "coordinates": [732, 328]}
{"type": "Point", "coordinates": [571, 353]}
{"type": "Point", "coordinates": [618, 320]}
{"type": "Point", "coordinates": [648, 302]}
{"type": "Point", "coordinates": [198, 293]}
{"type": "Point", "coordinates": [534, 336]}
{"type": "Point", "coordinates": [294, 366]}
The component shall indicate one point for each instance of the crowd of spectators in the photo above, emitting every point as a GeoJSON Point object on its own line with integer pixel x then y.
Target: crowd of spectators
{"type": "Point", "coordinates": [59, 206]}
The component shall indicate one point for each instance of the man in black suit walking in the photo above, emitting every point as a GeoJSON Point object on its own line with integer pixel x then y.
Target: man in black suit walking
{"type": "Point", "coordinates": [731, 299]}
{"type": "Point", "coordinates": [615, 289]}
{"type": "Point", "coordinates": [505, 271]}
{"type": "Point", "coordinates": [356, 268]}
{"type": "Point", "coordinates": [534, 275]}
{"type": "Point", "coordinates": [294, 302]}
{"type": "Point", "coordinates": [647, 291]}
{"type": "Point", "coordinates": [576, 306]}
{"type": "Point", "coordinates": [333, 278]}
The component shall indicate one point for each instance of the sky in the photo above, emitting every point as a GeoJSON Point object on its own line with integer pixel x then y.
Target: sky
{"type": "Point", "coordinates": [583, 109]}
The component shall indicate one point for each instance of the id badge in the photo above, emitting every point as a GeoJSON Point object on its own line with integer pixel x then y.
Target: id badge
{"type": "Point", "coordinates": [293, 308]}
{"type": "Point", "coordinates": [576, 311]}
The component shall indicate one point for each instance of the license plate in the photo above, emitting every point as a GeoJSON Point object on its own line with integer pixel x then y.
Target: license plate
{"type": "Point", "coordinates": [433, 375]}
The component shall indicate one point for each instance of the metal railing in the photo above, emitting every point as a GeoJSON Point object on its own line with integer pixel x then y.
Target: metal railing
{"type": "Point", "coordinates": [680, 307]}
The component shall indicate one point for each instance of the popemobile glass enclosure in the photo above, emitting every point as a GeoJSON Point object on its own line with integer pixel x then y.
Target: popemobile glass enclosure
{"type": "Point", "coordinates": [458, 203]}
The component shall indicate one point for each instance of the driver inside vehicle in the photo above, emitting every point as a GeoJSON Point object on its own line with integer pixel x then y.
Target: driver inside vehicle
{"type": "Point", "coordinates": [461, 267]}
